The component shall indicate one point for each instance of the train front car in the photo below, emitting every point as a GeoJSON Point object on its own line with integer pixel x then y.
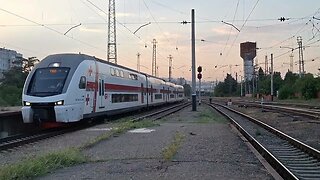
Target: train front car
{"type": "Point", "coordinates": [52, 93]}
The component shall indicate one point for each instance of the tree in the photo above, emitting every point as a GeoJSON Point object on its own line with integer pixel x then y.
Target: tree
{"type": "Point", "coordinates": [287, 89]}
{"type": "Point", "coordinates": [187, 90]}
{"type": "Point", "coordinates": [227, 88]}
{"type": "Point", "coordinates": [28, 64]}
{"type": "Point", "coordinates": [265, 83]}
{"type": "Point", "coordinates": [308, 86]}
{"type": "Point", "coordinates": [11, 84]}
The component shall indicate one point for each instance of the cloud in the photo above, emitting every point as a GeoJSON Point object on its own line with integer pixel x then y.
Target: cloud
{"type": "Point", "coordinates": [224, 30]}
{"type": "Point", "coordinates": [125, 15]}
{"type": "Point", "coordinates": [93, 30]}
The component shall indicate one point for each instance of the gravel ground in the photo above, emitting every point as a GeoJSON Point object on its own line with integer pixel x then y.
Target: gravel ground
{"type": "Point", "coordinates": [209, 150]}
{"type": "Point", "coordinates": [74, 139]}
{"type": "Point", "coordinates": [301, 128]}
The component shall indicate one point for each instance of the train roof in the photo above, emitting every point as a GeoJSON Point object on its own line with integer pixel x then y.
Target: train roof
{"type": "Point", "coordinates": [72, 59]}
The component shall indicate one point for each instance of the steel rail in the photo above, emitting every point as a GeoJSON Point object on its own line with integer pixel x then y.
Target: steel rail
{"type": "Point", "coordinates": [292, 160]}
{"type": "Point", "coordinates": [163, 112]}
{"type": "Point", "coordinates": [314, 114]}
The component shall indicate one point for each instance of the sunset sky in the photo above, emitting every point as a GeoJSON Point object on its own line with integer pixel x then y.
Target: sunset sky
{"type": "Point", "coordinates": [37, 27]}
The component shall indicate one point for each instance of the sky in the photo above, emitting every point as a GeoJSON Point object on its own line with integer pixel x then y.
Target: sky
{"type": "Point", "coordinates": [37, 28]}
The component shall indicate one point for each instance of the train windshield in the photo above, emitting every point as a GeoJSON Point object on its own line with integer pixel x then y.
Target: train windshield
{"type": "Point", "coordinates": [48, 81]}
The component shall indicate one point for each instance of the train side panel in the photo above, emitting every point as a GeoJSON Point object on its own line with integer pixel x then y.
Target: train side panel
{"type": "Point", "coordinates": [119, 90]}
{"type": "Point", "coordinates": [155, 91]}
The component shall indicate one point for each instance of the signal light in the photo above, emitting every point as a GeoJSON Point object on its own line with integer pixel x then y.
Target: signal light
{"type": "Point", "coordinates": [199, 69]}
{"type": "Point", "coordinates": [199, 76]}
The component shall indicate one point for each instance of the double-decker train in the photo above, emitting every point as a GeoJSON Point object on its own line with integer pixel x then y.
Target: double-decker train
{"type": "Point", "coordinates": [66, 88]}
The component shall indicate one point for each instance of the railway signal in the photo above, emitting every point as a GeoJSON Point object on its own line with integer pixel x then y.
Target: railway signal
{"type": "Point", "coordinates": [199, 69]}
{"type": "Point", "coordinates": [199, 76]}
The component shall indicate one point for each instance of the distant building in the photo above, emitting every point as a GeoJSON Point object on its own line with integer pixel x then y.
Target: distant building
{"type": "Point", "coordinates": [9, 59]}
{"type": "Point", "coordinates": [181, 81]}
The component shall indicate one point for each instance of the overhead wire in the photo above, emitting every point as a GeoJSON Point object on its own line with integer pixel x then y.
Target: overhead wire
{"type": "Point", "coordinates": [234, 16]}
{"type": "Point", "coordinates": [101, 10]}
{"type": "Point", "coordinates": [51, 29]}
{"type": "Point", "coordinates": [242, 27]}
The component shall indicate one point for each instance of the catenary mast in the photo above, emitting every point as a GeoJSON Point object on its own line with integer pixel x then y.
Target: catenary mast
{"type": "Point", "coordinates": [112, 39]}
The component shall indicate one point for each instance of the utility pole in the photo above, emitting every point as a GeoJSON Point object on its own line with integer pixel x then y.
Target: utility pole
{"type": "Point", "coordinates": [138, 62]}
{"type": "Point", "coordinates": [241, 91]}
{"type": "Point", "coordinates": [253, 85]}
{"type": "Point", "coordinates": [200, 91]}
{"type": "Point", "coordinates": [170, 67]}
{"type": "Point", "coordinates": [154, 57]}
{"type": "Point", "coordinates": [301, 62]}
{"type": "Point", "coordinates": [266, 68]}
{"type": "Point", "coordinates": [271, 71]}
{"type": "Point", "coordinates": [193, 54]}
{"type": "Point", "coordinates": [291, 62]}
{"type": "Point", "coordinates": [112, 39]}
{"type": "Point", "coordinates": [237, 77]}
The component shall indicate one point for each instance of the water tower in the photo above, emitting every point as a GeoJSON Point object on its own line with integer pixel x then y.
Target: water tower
{"type": "Point", "coordinates": [248, 51]}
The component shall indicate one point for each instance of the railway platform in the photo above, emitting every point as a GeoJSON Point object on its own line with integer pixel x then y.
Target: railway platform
{"type": "Point", "coordinates": [185, 145]}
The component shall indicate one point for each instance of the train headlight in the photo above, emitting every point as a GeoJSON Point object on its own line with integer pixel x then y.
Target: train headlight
{"type": "Point", "coordinates": [59, 103]}
{"type": "Point", "coordinates": [26, 103]}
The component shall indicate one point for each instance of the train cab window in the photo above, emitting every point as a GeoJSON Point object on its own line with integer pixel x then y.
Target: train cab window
{"type": "Point", "coordinates": [82, 83]}
{"type": "Point", "coordinates": [48, 81]}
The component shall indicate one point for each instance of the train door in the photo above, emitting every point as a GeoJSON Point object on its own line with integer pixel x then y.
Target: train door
{"type": "Point", "coordinates": [163, 94]}
{"type": "Point", "coordinates": [101, 93]}
{"type": "Point", "coordinates": [142, 96]}
{"type": "Point", "coordinates": [151, 92]}
{"type": "Point", "coordinates": [91, 86]}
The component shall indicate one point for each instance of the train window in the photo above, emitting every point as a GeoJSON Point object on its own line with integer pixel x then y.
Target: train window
{"type": "Point", "coordinates": [133, 76]}
{"type": "Point", "coordinates": [118, 98]}
{"type": "Point", "coordinates": [158, 96]}
{"type": "Point", "coordinates": [121, 74]}
{"type": "Point", "coordinates": [112, 71]}
{"type": "Point", "coordinates": [82, 83]}
{"type": "Point", "coordinates": [117, 72]}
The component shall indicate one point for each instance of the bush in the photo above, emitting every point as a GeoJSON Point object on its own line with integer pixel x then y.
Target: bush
{"type": "Point", "coordinates": [309, 89]}
{"type": "Point", "coordinates": [10, 96]}
{"type": "Point", "coordinates": [286, 92]}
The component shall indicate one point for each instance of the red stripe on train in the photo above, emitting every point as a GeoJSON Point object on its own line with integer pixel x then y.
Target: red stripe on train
{"type": "Point", "coordinates": [117, 87]}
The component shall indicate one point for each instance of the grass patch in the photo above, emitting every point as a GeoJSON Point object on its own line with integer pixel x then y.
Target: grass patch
{"type": "Point", "coordinates": [120, 127]}
{"type": "Point", "coordinates": [208, 116]}
{"type": "Point", "coordinates": [41, 165]}
{"type": "Point", "coordinates": [172, 149]}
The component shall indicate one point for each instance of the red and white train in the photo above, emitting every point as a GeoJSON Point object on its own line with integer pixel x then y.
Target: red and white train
{"type": "Point", "coordinates": [66, 88]}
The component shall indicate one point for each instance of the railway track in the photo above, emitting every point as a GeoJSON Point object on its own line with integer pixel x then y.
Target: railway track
{"type": "Point", "coordinates": [162, 113]}
{"type": "Point", "coordinates": [305, 112]}
{"type": "Point", "coordinates": [22, 139]}
{"type": "Point", "coordinates": [291, 158]}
